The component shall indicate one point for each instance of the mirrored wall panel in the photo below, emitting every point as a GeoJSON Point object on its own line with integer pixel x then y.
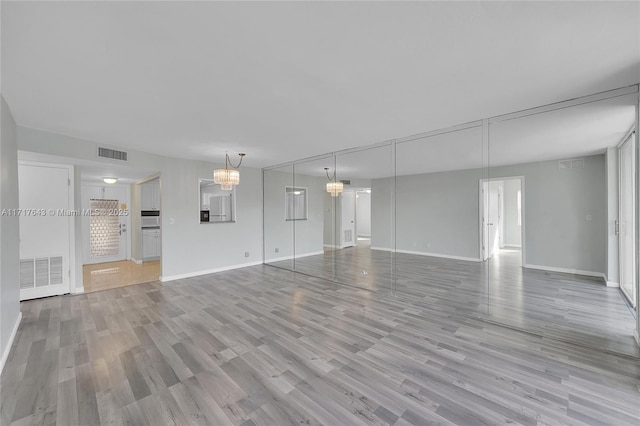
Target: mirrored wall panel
{"type": "Point", "coordinates": [283, 203]}
{"type": "Point", "coordinates": [364, 206]}
{"type": "Point", "coordinates": [314, 234]}
{"type": "Point", "coordinates": [438, 229]}
{"type": "Point", "coordinates": [528, 220]}
{"type": "Point", "coordinates": [560, 223]}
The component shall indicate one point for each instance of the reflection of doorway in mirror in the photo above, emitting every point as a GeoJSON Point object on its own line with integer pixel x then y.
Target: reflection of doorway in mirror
{"type": "Point", "coordinates": [502, 223]}
{"type": "Point", "coordinates": [348, 214]}
{"type": "Point", "coordinates": [363, 217]}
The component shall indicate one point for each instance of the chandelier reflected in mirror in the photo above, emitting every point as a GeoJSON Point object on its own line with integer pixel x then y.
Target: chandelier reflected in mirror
{"type": "Point", "coordinates": [333, 187]}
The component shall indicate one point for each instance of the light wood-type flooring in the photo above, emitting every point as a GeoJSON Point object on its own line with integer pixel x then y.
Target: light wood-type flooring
{"type": "Point", "coordinates": [103, 276]}
{"type": "Point", "coordinates": [573, 308]}
{"type": "Point", "coordinates": [265, 346]}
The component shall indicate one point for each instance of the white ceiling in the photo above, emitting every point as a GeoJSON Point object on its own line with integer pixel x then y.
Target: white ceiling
{"type": "Point", "coordinates": [287, 80]}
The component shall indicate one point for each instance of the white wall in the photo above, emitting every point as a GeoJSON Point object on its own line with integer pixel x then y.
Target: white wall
{"type": "Point", "coordinates": [613, 266]}
{"type": "Point", "coordinates": [280, 233]}
{"type": "Point", "coordinates": [436, 213]}
{"type": "Point", "coordinates": [383, 214]}
{"type": "Point", "coordinates": [512, 232]}
{"type": "Point", "coordinates": [565, 213]}
{"type": "Point", "coordinates": [363, 214]}
{"type": "Point", "coordinates": [9, 232]}
{"type": "Point", "coordinates": [188, 248]}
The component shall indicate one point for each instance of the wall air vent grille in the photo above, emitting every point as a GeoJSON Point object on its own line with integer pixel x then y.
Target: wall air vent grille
{"type": "Point", "coordinates": [112, 154]}
{"type": "Point", "coordinates": [346, 181]}
{"type": "Point", "coordinates": [41, 272]}
{"type": "Point", "coordinates": [576, 163]}
{"type": "Point", "coordinates": [27, 280]}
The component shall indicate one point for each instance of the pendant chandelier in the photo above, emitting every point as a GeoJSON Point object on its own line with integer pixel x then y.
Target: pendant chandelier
{"type": "Point", "coordinates": [334, 188]}
{"type": "Point", "coordinates": [226, 177]}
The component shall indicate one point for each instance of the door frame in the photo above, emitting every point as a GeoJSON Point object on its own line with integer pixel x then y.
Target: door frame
{"type": "Point", "coordinates": [71, 274]}
{"type": "Point", "coordinates": [634, 148]}
{"type": "Point", "coordinates": [481, 227]}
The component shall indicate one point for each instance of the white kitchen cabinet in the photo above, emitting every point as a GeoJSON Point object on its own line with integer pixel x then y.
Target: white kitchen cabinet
{"type": "Point", "coordinates": [150, 244]}
{"type": "Point", "coordinates": [150, 196]}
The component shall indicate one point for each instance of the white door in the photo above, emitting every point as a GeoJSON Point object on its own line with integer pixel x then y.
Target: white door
{"type": "Point", "coordinates": [348, 234]}
{"type": "Point", "coordinates": [105, 231]}
{"type": "Point", "coordinates": [46, 218]}
{"type": "Point", "coordinates": [501, 215]}
{"type": "Point", "coordinates": [490, 198]}
{"type": "Point", "coordinates": [626, 236]}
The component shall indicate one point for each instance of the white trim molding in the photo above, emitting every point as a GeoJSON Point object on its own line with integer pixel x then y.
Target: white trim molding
{"type": "Point", "coordinates": [77, 290]}
{"type": "Point", "coordinates": [423, 253]}
{"type": "Point", "coordinates": [7, 349]}
{"type": "Point", "coordinates": [613, 284]}
{"type": "Point", "coordinates": [567, 271]}
{"type": "Point", "coordinates": [207, 271]}
{"type": "Point", "coordinates": [136, 261]}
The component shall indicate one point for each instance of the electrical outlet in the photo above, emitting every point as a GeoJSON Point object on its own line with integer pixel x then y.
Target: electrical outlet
{"type": "Point", "coordinates": [246, 254]}
{"type": "Point", "coordinates": [277, 250]}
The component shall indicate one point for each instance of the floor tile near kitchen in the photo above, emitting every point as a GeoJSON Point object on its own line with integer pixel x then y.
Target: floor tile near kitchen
{"type": "Point", "coordinates": [104, 276]}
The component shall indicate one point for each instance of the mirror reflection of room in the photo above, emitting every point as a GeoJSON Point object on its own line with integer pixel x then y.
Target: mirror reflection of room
{"type": "Point", "coordinates": [517, 219]}
{"type": "Point", "coordinates": [216, 204]}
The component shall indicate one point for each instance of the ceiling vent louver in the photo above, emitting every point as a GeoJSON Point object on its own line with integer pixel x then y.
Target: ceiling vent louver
{"type": "Point", "coordinates": [112, 154]}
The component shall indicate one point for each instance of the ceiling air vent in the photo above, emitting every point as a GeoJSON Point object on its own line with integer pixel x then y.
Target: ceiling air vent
{"type": "Point", "coordinates": [112, 154]}
{"type": "Point", "coordinates": [577, 163]}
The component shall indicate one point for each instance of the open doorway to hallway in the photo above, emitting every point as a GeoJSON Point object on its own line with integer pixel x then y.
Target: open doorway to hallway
{"type": "Point", "coordinates": [502, 219]}
{"type": "Point", "coordinates": [363, 217]}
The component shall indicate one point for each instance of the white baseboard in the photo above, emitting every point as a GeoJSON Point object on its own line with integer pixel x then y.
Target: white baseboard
{"type": "Point", "coordinates": [77, 290]}
{"type": "Point", "coordinates": [208, 271]}
{"type": "Point", "coordinates": [136, 261]}
{"type": "Point", "coordinates": [423, 253]}
{"type": "Point", "coordinates": [331, 246]}
{"type": "Point", "coordinates": [297, 256]}
{"type": "Point", "coordinates": [567, 271]}
{"type": "Point", "coordinates": [613, 284]}
{"type": "Point", "coordinates": [7, 349]}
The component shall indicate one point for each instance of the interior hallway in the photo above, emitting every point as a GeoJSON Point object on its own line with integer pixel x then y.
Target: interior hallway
{"type": "Point", "coordinates": [105, 276]}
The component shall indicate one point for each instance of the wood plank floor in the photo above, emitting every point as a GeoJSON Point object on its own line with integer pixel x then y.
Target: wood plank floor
{"type": "Point", "coordinates": [104, 276]}
{"type": "Point", "coordinates": [264, 346]}
{"type": "Point", "coordinates": [570, 307]}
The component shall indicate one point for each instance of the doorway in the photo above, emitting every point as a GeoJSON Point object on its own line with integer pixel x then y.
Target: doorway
{"type": "Point", "coordinates": [105, 230]}
{"type": "Point", "coordinates": [348, 215]}
{"type": "Point", "coordinates": [502, 218]}
{"type": "Point", "coordinates": [363, 217]}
